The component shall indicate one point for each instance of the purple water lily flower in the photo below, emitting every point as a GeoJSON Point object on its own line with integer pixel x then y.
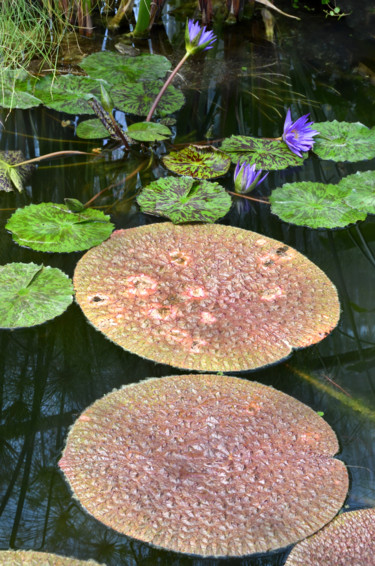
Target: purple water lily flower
{"type": "Point", "coordinates": [197, 38]}
{"type": "Point", "coordinates": [246, 178]}
{"type": "Point", "coordinates": [298, 135]}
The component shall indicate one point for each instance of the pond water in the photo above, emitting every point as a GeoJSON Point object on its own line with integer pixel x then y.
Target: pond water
{"type": "Point", "coordinates": [51, 373]}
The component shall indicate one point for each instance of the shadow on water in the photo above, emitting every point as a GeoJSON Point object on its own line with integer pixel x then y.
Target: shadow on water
{"type": "Point", "coordinates": [50, 374]}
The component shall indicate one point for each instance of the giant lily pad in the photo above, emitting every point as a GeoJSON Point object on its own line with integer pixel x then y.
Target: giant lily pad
{"type": "Point", "coordinates": [315, 205]}
{"type": "Point", "coordinates": [361, 190]}
{"type": "Point", "coordinates": [184, 199]}
{"type": "Point", "coordinates": [34, 558]}
{"type": "Point", "coordinates": [67, 93]}
{"type": "Point", "coordinates": [344, 141]}
{"type": "Point", "coordinates": [264, 153]}
{"type": "Point", "coordinates": [117, 69]}
{"type": "Point", "coordinates": [349, 540]}
{"type": "Point", "coordinates": [202, 162]}
{"type": "Point", "coordinates": [137, 98]}
{"type": "Point", "coordinates": [204, 464]}
{"type": "Point", "coordinates": [13, 177]}
{"type": "Point", "coordinates": [204, 297]}
{"type": "Point", "coordinates": [50, 227]}
{"type": "Point", "coordinates": [31, 294]}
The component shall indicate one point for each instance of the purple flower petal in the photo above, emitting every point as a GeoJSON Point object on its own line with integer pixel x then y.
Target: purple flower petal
{"type": "Point", "coordinates": [298, 135]}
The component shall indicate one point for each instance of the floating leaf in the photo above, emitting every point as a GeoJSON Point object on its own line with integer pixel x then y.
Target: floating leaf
{"type": "Point", "coordinates": [92, 129]}
{"type": "Point", "coordinates": [204, 297]}
{"type": "Point", "coordinates": [184, 199]}
{"type": "Point", "coordinates": [50, 227]}
{"type": "Point", "coordinates": [344, 141]}
{"type": "Point", "coordinates": [138, 98]}
{"type": "Point", "coordinates": [74, 204]}
{"type": "Point", "coordinates": [316, 205]}
{"type": "Point", "coordinates": [67, 93]}
{"type": "Point", "coordinates": [11, 177]}
{"type": "Point", "coordinates": [361, 190]}
{"type": "Point", "coordinates": [206, 464]}
{"type": "Point", "coordinates": [31, 294]}
{"type": "Point", "coordinates": [35, 558]}
{"type": "Point", "coordinates": [148, 131]}
{"type": "Point", "coordinates": [201, 162]}
{"type": "Point", "coordinates": [16, 89]}
{"type": "Point", "coordinates": [115, 68]}
{"type": "Point", "coordinates": [264, 153]}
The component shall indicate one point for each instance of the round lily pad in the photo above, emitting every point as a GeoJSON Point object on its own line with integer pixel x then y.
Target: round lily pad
{"type": "Point", "coordinates": [361, 190]}
{"type": "Point", "coordinates": [137, 98]}
{"type": "Point", "coordinates": [50, 227]}
{"type": "Point", "coordinates": [92, 129]}
{"type": "Point", "coordinates": [184, 199]}
{"type": "Point", "coordinates": [34, 558]}
{"type": "Point", "coordinates": [344, 141]}
{"type": "Point", "coordinates": [349, 540]}
{"type": "Point", "coordinates": [315, 205]}
{"type": "Point", "coordinates": [264, 153]}
{"type": "Point", "coordinates": [148, 131]}
{"type": "Point", "coordinates": [204, 464]}
{"type": "Point", "coordinates": [67, 93]}
{"type": "Point", "coordinates": [199, 161]}
{"type": "Point", "coordinates": [204, 297]}
{"type": "Point", "coordinates": [115, 68]}
{"type": "Point", "coordinates": [32, 294]}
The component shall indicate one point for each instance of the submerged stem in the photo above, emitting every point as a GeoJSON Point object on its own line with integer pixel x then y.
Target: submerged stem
{"type": "Point", "coordinates": [165, 86]}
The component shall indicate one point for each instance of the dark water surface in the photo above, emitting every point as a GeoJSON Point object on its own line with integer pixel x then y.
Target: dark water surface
{"type": "Point", "coordinates": [49, 374]}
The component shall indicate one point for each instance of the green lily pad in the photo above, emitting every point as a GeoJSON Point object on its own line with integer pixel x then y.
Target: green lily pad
{"type": "Point", "coordinates": [115, 68]}
{"type": "Point", "coordinates": [344, 141]}
{"type": "Point", "coordinates": [184, 199]}
{"type": "Point", "coordinates": [315, 205]}
{"type": "Point", "coordinates": [265, 154]}
{"type": "Point", "coordinates": [92, 129]}
{"type": "Point", "coordinates": [362, 190]}
{"type": "Point", "coordinates": [16, 89]}
{"type": "Point", "coordinates": [13, 177]}
{"type": "Point", "coordinates": [50, 227]}
{"type": "Point", "coordinates": [66, 93]}
{"type": "Point", "coordinates": [148, 131]}
{"type": "Point", "coordinates": [199, 161]}
{"type": "Point", "coordinates": [138, 98]}
{"type": "Point", "coordinates": [31, 294]}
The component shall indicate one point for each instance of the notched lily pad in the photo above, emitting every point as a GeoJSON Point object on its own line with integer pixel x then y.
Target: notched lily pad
{"type": "Point", "coordinates": [13, 177]}
{"type": "Point", "coordinates": [265, 154]}
{"type": "Point", "coordinates": [315, 205]}
{"type": "Point", "coordinates": [344, 141]}
{"type": "Point", "coordinates": [67, 93]}
{"type": "Point", "coordinates": [137, 98]}
{"type": "Point", "coordinates": [148, 131]}
{"type": "Point", "coordinates": [184, 199]}
{"type": "Point", "coordinates": [199, 161]}
{"type": "Point", "coordinates": [32, 294]}
{"type": "Point", "coordinates": [115, 68]}
{"type": "Point", "coordinates": [361, 187]}
{"type": "Point", "coordinates": [50, 227]}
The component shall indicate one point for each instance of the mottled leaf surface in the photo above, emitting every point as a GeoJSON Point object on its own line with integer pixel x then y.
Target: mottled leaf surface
{"type": "Point", "coordinates": [184, 199]}
{"type": "Point", "coordinates": [92, 129]}
{"type": "Point", "coordinates": [315, 205]}
{"type": "Point", "coordinates": [31, 294]}
{"type": "Point", "coordinates": [16, 88]}
{"type": "Point", "coordinates": [13, 177]}
{"type": "Point", "coordinates": [138, 98]}
{"type": "Point", "coordinates": [148, 131]}
{"type": "Point", "coordinates": [201, 162]}
{"type": "Point", "coordinates": [344, 141]}
{"type": "Point", "coordinates": [115, 68]}
{"type": "Point", "coordinates": [361, 187]}
{"type": "Point", "coordinates": [66, 93]}
{"type": "Point", "coordinates": [50, 227]}
{"type": "Point", "coordinates": [264, 153]}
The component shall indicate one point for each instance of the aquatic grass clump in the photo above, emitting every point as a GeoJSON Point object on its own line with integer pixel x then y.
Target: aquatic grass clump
{"type": "Point", "coordinates": [204, 297]}
{"type": "Point", "coordinates": [204, 464]}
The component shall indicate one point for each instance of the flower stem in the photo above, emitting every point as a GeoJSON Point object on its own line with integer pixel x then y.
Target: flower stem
{"type": "Point", "coordinates": [165, 86]}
